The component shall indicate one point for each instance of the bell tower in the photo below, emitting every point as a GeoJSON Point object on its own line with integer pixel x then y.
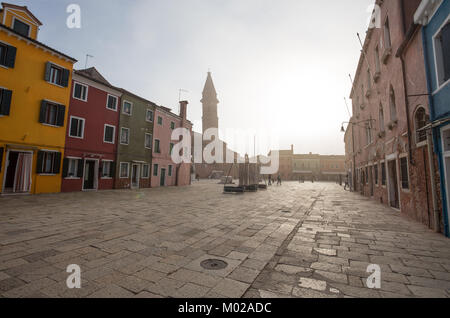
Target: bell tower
{"type": "Point", "coordinates": [209, 101]}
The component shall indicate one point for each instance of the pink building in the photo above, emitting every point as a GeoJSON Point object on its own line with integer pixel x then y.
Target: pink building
{"type": "Point", "coordinates": [164, 171]}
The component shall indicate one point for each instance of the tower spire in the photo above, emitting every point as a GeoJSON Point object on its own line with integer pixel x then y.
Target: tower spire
{"type": "Point", "coordinates": [209, 101]}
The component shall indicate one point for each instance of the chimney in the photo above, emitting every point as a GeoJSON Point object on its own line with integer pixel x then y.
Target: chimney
{"type": "Point", "coordinates": [183, 109]}
{"type": "Point", "coordinates": [292, 148]}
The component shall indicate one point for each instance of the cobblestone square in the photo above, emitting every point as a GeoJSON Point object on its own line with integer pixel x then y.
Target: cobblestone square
{"type": "Point", "coordinates": [294, 240]}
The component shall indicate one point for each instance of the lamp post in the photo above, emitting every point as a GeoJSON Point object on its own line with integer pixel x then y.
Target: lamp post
{"type": "Point", "coordinates": [353, 124]}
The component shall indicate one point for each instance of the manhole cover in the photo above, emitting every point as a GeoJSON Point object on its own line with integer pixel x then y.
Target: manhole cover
{"type": "Point", "coordinates": [213, 264]}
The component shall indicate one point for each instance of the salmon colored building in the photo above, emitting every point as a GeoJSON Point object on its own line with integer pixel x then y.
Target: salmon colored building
{"type": "Point", "coordinates": [164, 171]}
{"type": "Point", "coordinates": [34, 99]}
{"type": "Point", "coordinates": [91, 139]}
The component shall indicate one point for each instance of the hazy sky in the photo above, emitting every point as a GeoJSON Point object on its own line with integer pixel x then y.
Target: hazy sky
{"type": "Point", "coordinates": [279, 66]}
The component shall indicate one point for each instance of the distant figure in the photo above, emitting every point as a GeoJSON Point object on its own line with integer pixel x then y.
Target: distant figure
{"type": "Point", "coordinates": [346, 183]}
{"type": "Point", "coordinates": [340, 180]}
{"type": "Point", "coordinates": [312, 179]}
{"type": "Point", "coordinates": [279, 180]}
{"type": "Point", "coordinates": [197, 177]}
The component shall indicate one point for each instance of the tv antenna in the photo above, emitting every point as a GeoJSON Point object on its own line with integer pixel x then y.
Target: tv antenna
{"type": "Point", "coordinates": [87, 57]}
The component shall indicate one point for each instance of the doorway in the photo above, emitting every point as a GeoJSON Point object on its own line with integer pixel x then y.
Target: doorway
{"type": "Point", "coordinates": [163, 178]}
{"type": "Point", "coordinates": [371, 180]}
{"type": "Point", "coordinates": [393, 185]}
{"type": "Point", "coordinates": [135, 176]}
{"type": "Point", "coordinates": [18, 169]}
{"type": "Point", "coordinates": [90, 177]}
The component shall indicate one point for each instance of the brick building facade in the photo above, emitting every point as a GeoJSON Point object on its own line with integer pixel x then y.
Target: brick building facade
{"type": "Point", "coordinates": [385, 147]}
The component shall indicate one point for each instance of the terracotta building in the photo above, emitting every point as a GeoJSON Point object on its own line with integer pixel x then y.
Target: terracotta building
{"type": "Point", "coordinates": [91, 145]}
{"type": "Point", "coordinates": [389, 154]}
{"type": "Point", "coordinates": [310, 166]}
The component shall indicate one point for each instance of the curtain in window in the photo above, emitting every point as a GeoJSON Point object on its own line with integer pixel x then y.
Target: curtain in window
{"type": "Point", "coordinates": [22, 181]}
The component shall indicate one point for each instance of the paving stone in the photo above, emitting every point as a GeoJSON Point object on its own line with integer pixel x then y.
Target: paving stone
{"type": "Point", "coordinates": [330, 276]}
{"type": "Point", "coordinates": [112, 291]}
{"type": "Point", "coordinates": [231, 288]}
{"type": "Point", "coordinates": [427, 292]}
{"type": "Point", "coordinates": [292, 270]}
{"type": "Point", "coordinates": [327, 267]}
{"type": "Point", "coordinates": [192, 291]}
{"type": "Point", "coordinates": [309, 293]}
{"type": "Point", "coordinates": [312, 283]}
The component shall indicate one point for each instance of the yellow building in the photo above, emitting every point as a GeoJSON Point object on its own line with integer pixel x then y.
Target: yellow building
{"type": "Point", "coordinates": [34, 99]}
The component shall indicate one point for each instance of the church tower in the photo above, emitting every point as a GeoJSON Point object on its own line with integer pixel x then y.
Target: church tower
{"type": "Point", "coordinates": [209, 101]}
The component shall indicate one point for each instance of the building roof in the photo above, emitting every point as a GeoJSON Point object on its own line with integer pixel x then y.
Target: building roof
{"type": "Point", "coordinates": [24, 8]}
{"type": "Point", "coordinates": [93, 74]}
{"type": "Point", "coordinates": [36, 42]}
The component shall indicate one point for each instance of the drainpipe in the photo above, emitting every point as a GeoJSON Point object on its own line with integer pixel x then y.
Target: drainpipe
{"type": "Point", "coordinates": [430, 139]}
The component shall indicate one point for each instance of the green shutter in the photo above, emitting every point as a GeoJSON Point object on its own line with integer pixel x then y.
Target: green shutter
{"type": "Point", "coordinates": [65, 78]}
{"type": "Point", "coordinates": [61, 115]}
{"type": "Point", "coordinates": [48, 67]}
{"type": "Point", "coordinates": [65, 171]}
{"type": "Point", "coordinates": [43, 112]}
{"type": "Point", "coordinates": [112, 173]}
{"type": "Point", "coordinates": [57, 163]}
{"type": "Point", "coordinates": [5, 105]}
{"type": "Point", "coordinates": [40, 161]}
{"type": "Point", "coordinates": [80, 169]}
{"type": "Point", "coordinates": [10, 56]}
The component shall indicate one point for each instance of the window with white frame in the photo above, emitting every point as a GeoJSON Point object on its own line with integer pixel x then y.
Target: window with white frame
{"type": "Point", "coordinates": [146, 171]}
{"type": "Point", "coordinates": [124, 170]}
{"type": "Point", "coordinates": [442, 51]}
{"type": "Point", "coordinates": [72, 169]}
{"type": "Point", "coordinates": [111, 102]}
{"type": "Point", "coordinates": [148, 141]}
{"type": "Point", "coordinates": [109, 134]}
{"type": "Point", "coordinates": [76, 129]}
{"type": "Point", "coordinates": [21, 27]}
{"type": "Point", "coordinates": [80, 91]}
{"type": "Point", "coordinates": [149, 115]}
{"type": "Point", "coordinates": [124, 136]}
{"type": "Point", "coordinates": [107, 167]}
{"type": "Point", "coordinates": [155, 170]}
{"type": "Point", "coordinates": [127, 108]}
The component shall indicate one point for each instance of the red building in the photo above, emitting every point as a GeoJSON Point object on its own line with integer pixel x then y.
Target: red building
{"type": "Point", "coordinates": [164, 171]}
{"type": "Point", "coordinates": [91, 139]}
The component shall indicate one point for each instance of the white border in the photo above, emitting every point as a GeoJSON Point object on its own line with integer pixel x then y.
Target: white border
{"type": "Point", "coordinates": [120, 170]}
{"type": "Point", "coordinates": [117, 102]}
{"type": "Point", "coordinates": [438, 85]}
{"type": "Point", "coordinates": [104, 134]}
{"type": "Point", "coordinates": [70, 127]}
{"type": "Point", "coordinates": [131, 107]}
{"type": "Point", "coordinates": [120, 136]}
{"type": "Point", "coordinates": [87, 91]}
{"type": "Point", "coordinates": [445, 155]}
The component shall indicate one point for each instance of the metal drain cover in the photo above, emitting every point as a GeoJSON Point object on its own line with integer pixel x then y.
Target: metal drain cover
{"type": "Point", "coordinates": [213, 264]}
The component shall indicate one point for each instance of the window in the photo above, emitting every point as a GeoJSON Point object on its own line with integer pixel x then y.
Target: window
{"type": "Point", "coordinates": [383, 174]}
{"type": "Point", "coordinates": [76, 129]}
{"type": "Point", "coordinates": [170, 170]}
{"type": "Point", "coordinates": [109, 134]}
{"type": "Point", "coordinates": [155, 170]}
{"type": "Point", "coordinates": [124, 170]}
{"type": "Point", "coordinates": [381, 118]}
{"type": "Point", "coordinates": [172, 125]}
{"type": "Point", "coordinates": [171, 148]}
{"type": "Point", "coordinates": [392, 104]}
{"type": "Point", "coordinates": [367, 175]}
{"type": "Point", "coordinates": [375, 173]}
{"type": "Point", "coordinates": [5, 102]}
{"type": "Point", "coordinates": [48, 162]}
{"type": "Point", "coordinates": [7, 55]}
{"type": "Point", "coordinates": [148, 141]}
{"type": "Point", "coordinates": [368, 134]}
{"type": "Point", "coordinates": [145, 171]}
{"type": "Point", "coordinates": [72, 168]}
{"type": "Point", "coordinates": [404, 172]}
{"type": "Point", "coordinates": [442, 50]}
{"type": "Point", "coordinates": [52, 114]}
{"type": "Point", "coordinates": [107, 169]}
{"type": "Point", "coordinates": [80, 92]}
{"type": "Point", "coordinates": [377, 60]}
{"type": "Point", "coordinates": [149, 116]}
{"type": "Point", "coordinates": [21, 27]}
{"type": "Point", "coordinates": [111, 102]}
{"type": "Point", "coordinates": [387, 35]}
{"type": "Point", "coordinates": [160, 120]}
{"type": "Point", "coordinates": [127, 108]}
{"type": "Point", "coordinates": [421, 119]}
{"type": "Point", "coordinates": [157, 146]}
{"type": "Point", "coordinates": [124, 136]}
{"type": "Point", "coordinates": [56, 75]}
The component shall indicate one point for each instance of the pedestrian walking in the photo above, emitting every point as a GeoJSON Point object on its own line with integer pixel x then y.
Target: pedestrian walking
{"type": "Point", "coordinates": [346, 183]}
{"type": "Point", "coordinates": [279, 180]}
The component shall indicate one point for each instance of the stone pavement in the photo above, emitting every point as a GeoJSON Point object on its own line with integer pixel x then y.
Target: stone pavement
{"type": "Point", "coordinates": [297, 240]}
